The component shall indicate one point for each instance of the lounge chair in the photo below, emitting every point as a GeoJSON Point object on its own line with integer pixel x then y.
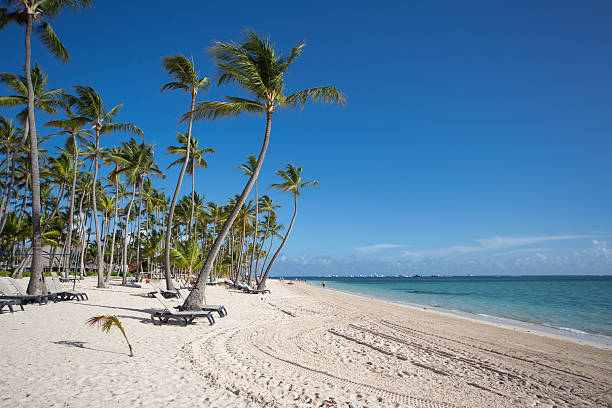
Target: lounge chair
{"type": "Point", "coordinates": [165, 293]}
{"type": "Point", "coordinates": [68, 294]}
{"type": "Point", "coordinates": [23, 291]}
{"type": "Point", "coordinates": [55, 289]}
{"type": "Point", "coordinates": [248, 289]}
{"type": "Point", "coordinates": [8, 291]}
{"type": "Point", "coordinates": [10, 304]}
{"type": "Point", "coordinates": [183, 317]}
{"type": "Point", "coordinates": [183, 293]}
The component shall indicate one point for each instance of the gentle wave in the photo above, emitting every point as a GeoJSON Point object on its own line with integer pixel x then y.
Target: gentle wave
{"type": "Point", "coordinates": [572, 304]}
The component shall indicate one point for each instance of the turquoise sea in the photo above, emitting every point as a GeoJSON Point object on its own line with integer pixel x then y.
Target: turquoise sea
{"type": "Point", "coordinates": [574, 304]}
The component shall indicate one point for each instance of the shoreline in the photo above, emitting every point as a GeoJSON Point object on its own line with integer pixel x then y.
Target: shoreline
{"type": "Point", "coordinates": [539, 329]}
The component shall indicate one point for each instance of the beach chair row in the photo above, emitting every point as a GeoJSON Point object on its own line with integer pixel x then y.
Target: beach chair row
{"type": "Point", "coordinates": [12, 293]}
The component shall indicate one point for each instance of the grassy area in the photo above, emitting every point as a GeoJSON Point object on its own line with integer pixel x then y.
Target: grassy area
{"type": "Point", "coordinates": [27, 274]}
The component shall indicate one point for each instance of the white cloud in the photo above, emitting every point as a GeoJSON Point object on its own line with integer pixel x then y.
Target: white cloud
{"type": "Point", "coordinates": [372, 249]}
{"type": "Point", "coordinates": [493, 243]}
{"type": "Point", "coordinates": [522, 250]}
{"type": "Point", "coordinates": [509, 242]}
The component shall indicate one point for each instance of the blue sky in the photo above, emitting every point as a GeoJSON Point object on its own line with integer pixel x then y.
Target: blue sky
{"type": "Point", "coordinates": [476, 137]}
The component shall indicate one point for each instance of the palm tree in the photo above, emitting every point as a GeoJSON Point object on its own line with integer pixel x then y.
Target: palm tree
{"type": "Point", "coordinates": [137, 163]}
{"type": "Point", "coordinates": [72, 126]}
{"type": "Point", "coordinates": [255, 67]}
{"type": "Point", "coordinates": [90, 107]}
{"type": "Point", "coordinates": [195, 160]}
{"type": "Point", "coordinates": [293, 183]}
{"type": "Point", "coordinates": [150, 246]}
{"type": "Point", "coordinates": [107, 205]}
{"type": "Point", "coordinates": [60, 170]}
{"type": "Point", "coordinates": [9, 136]}
{"type": "Point", "coordinates": [106, 323]}
{"type": "Point", "coordinates": [30, 13]}
{"type": "Point", "coordinates": [186, 78]}
{"type": "Point", "coordinates": [249, 168]}
{"type": "Point", "coordinates": [272, 230]}
{"type": "Point", "coordinates": [267, 205]}
{"type": "Point", "coordinates": [113, 177]}
{"type": "Point", "coordinates": [188, 256]}
{"type": "Point", "coordinates": [44, 100]}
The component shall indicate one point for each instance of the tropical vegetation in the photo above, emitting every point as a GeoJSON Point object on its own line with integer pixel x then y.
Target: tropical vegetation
{"type": "Point", "coordinates": [73, 203]}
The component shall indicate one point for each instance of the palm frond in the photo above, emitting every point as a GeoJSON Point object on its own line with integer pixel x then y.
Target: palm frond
{"type": "Point", "coordinates": [114, 110]}
{"type": "Point", "coordinates": [106, 323]}
{"type": "Point", "coordinates": [11, 100]}
{"type": "Point", "coordinates": [15, 83]}
{"type": "Point", "coordinates": [7, 16]}
{"type": "Point", "coordinates": [295, 51]}
{"type": "Point", "coordinates": [326, 94]}
{"type": "Point", "coordinates": [122, 127]}
{"type": "Point", "coordinates": [173, 86]}
{"type": "Point", "coordinates": [215, 110]}
{"type": "Point", "coordinates": [53, 7]}
{"type": "Point", "coordinates": [177, 162]}
{"type": "Point", "coordinates": [50, 40]}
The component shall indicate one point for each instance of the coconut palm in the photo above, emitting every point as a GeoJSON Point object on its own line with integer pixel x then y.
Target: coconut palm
{"type": "Point", "coordinates": [90, 107]}
{"type": "Point", "coordinates": [60, 171]}
{"type": "Point", "coordinates": [195, 159]}
{"type": "Point", "coordinates": [256, 68]}
{"type": "Point", "coordinates": [107, 205]}
{"type": "Point", "coordinates": [72, 126]}
{"type": "Point", "coordinates": [114, 179]}
{"type": "Point", "coordinates": [9, 144]}
{"type": "Point", "coordinates": [266, 204]}
{"type": "Point", "coordinates": [249, 168]}
{"type": "Point", "coordinates": [188, 256]}
{"type": "Point", "coordinates": [272, 231]}
{"type": "Point", "coordinates": [293, 184]}
{"type": "Point", "coordinates": [106, 323]}
{"type": "Point", "coordinates": [35, 13]}
{"type": "Point", "coordinates": [47, 101]}
{"type": "Point", "coordinates": [151, 245]}
{"type": "Point", "coordinates": [137, 163]}
{"type": "Point", "coordinates": [186, 78]}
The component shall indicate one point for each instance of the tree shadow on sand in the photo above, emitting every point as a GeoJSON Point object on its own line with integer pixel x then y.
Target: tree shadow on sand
{"type": "Point", "coordinates": [141, 319]}
{"type": "Point", "coordinates": [81, 344]}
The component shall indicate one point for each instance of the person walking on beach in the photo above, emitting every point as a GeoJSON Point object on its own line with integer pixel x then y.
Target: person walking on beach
{"type": "Point", "coordinates": [323, 283]}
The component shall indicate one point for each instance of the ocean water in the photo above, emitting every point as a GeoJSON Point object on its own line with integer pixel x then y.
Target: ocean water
{"type": "Point", "coordinates": [571, 303]}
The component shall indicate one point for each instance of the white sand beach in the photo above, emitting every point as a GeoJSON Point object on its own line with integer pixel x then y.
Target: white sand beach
{"type": "Point", "coordinates": [297, 347]}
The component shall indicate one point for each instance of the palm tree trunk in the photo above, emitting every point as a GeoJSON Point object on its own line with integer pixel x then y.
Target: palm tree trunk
{"type": "Point", "coordinates": [52, 257]}
{"type": "Point", "coordinates": [84, 240]}
{"type": "Point", "coordinates": [99, 254]}
{"type": "Point", "coordinates": [192, 198]}
{"type": "Point", "coordinates": [254, 234]}
{"type": "Point", "coordinates": [262, 284]}
{"type": "Point", "coordinates": [105, 223]}
{"type": "Point", "coordinates": [231, 253]}
{"type": "Point", "coordinates": [195, 298]}
{"type": "Point", "coordinates": [36, 284]}
{"type": "Point", "coordinates": [263, 266]}
{"type": "Point", "coordinates": [55, 208]}
{"type": "Point", "coordinates": [179, 183]}
{"type": "Point", "coordinates": [138, 262]}
{"type": "Point", "coordinates": [5, 197]}
{"type": "Point", "coordinates": [74, 259]}
{"type": "Point", "coordinates": [112, 254]}
{"type": "Point", "coordinates": [125, 264]}
{"type": "Point", "coordinates": [263, 241]}
{"type": "Point", "coordinates": [68, 244]}
{"type": "Point", "coordinates": [5, 213]}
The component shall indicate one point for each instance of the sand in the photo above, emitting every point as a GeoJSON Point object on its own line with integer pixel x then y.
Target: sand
{"type": "Point", "coordinates": [300, 346]}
